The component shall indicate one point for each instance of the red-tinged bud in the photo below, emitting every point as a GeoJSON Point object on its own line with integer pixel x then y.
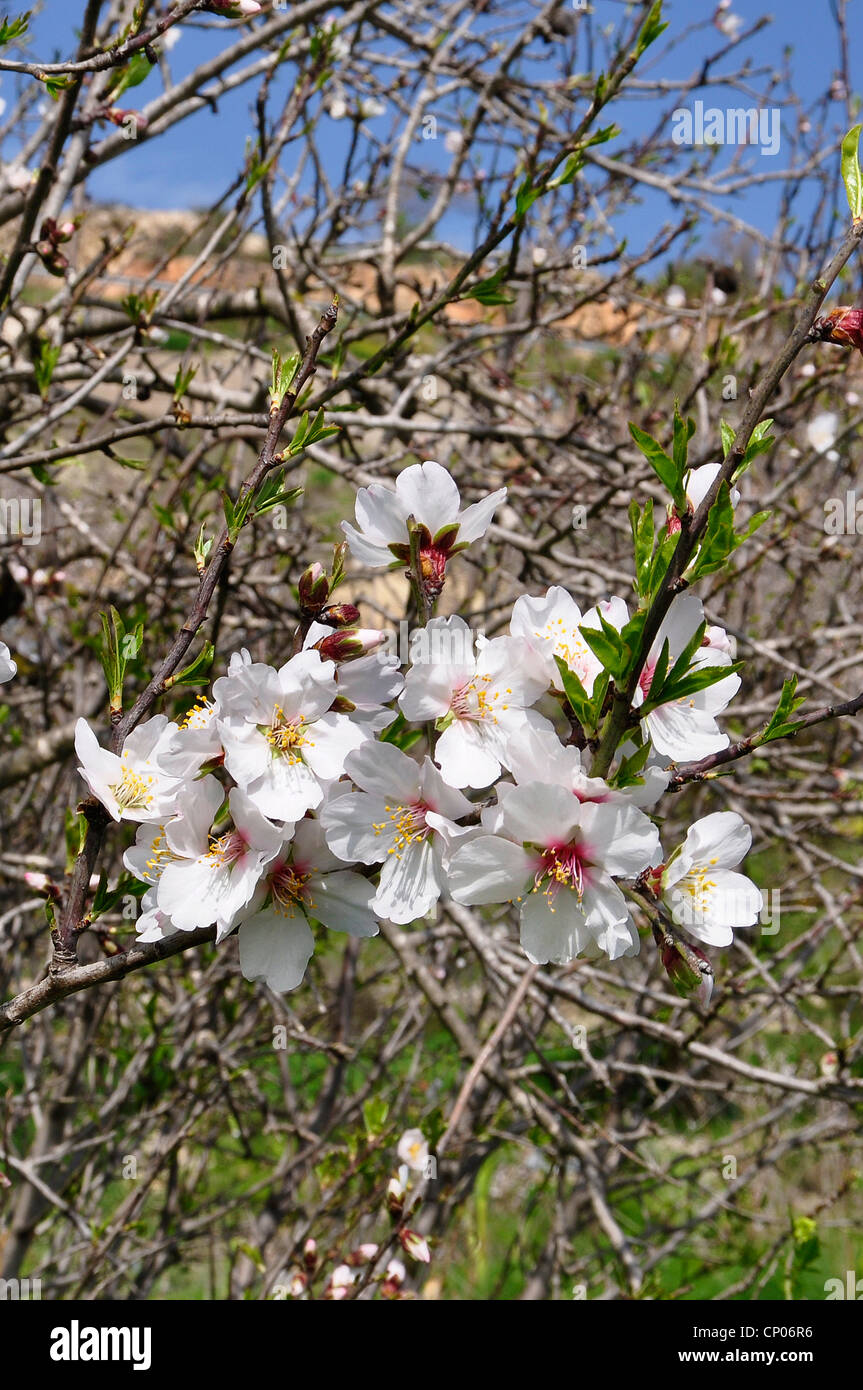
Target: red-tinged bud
{"type": "Point", "coordinates": [395, 1197]}
{"type": "Point", "coordinates": [672, 522]}
{"type": "Point", "coordinates": [341, 615]}
{"type": "Point", "coordinates": [350, 643]}
{"type": "Point", "coordinates": [843, 325]}
{"type": "Point", "coordinates": [48, 231]}
{"type": "Point", "coordinates": [829, 1065]}
{"type": "Point", "coordinates": [234, 9]}
{"type": "Point", "coordinates": [118, 116]}
{"type": "Point", "coordinates": [363, 1255]}
{"type": "Point", "coordinates": [688, 969]}
{"type": "Point", "coordinates": [310, 1255]}
{"type": "Point", "coordinates": [66, 231]}
{"type": "Point", "coordinates": [415, 1245]}
{"type": "Point", "coordinates": [314, 588]}
{"type": "Point", "coordinates": [298, 1284]}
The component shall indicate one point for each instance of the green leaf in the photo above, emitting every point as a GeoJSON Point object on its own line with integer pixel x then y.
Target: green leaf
{"type": "Point", "coordinates": [14, 28]}
{"type": "Point", "coordinates": [641, 523]}
{"type": "Point", "coordinates": [197, 670]}
{"type": "Point", "coordinates": [489, 291]}
{"type": "Point", "coordinates": [728, 436]}
{"type": "Point", "coordinates": [628, 774]}
{"type": "Point", "coordinates": [781, 724]}
{"type": "Point", "coordinates": [651, 29]}
{"type": "Point", "coordinates": [851, 176]}
{"type": "Point", "coordinates": [683, 432]}
{"type": "Point", "coordinates": [664, 467]}
{"type": "Point", "coordinates": [691, 684]}
{"type": "Point", "coordinates": [525, 197]}
{"type": "Point", "coordinates": [401, 734]}
{"type": "Point", "coordinates": [375, 1111]}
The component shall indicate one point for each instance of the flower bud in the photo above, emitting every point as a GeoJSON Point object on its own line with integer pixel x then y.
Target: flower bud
{"type": "Point", "coordinates": [844, 326]}
{"type": "Point", "coordinates": [314, 588]}
{"type": "Point", "coordinates": [341, 615]}
{"type": "Point", "coordinates": [350, 643]}
{"type": "Point", "coordinates": [415, 1245]}
{"type": "Point", "coordinates": [395, 1196]}
{"type": "Point", "coordinates": [339, 1282]}
{"type": "Point", "coordinates": [310, 1254]}
{"type": "Point", "coordinates": [688, 969]}
{"type": "Point", "coordinates": [234, 9]}
{"type": "Point", "coordinates": [362, 1255]}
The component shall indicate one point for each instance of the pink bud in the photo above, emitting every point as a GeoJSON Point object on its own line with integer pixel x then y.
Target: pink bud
{"type": "Point", "coordinates": [349, 644]}
{"type": "Point", "coordinates": [341, 615]}
{"type": "Point", "coordinates": [415, 1245]}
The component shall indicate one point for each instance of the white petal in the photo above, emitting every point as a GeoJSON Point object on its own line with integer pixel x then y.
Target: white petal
{"type": "Point", "coordinates": [276, 949]}
{"type": "Point", "coordinates": [489, 870]}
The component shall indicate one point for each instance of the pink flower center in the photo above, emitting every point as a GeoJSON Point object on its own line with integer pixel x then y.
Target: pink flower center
{"type": "Point", "coordinates": [227, 849]}
{"type": "Point", "coordinates": [645, 680]}
{"type": "Point", "coordinates": [289, 888]}
{"type": "Point", "coordinates": [562, 866]}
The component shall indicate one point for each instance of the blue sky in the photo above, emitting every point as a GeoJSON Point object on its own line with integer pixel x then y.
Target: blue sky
{"type": "Point", "coordinates": [193, 163]}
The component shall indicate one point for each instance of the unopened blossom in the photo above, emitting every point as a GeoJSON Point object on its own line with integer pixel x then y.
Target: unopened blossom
{"type": "Point", "coordinates": [698, 884]}
{"type": "Point", "coordinates": [234, 9]}
{"type": "Point", "coordinates": [202, 877]}
{"type": "Point", "coordinates": [428, 493]}
{"type": "Point", "coordinates": [403, 817]}
{"type": "Point", "coordinates": [413, 1150]}
{"type": "Point", "coordinates": [339, 1282]}
{"type": "Point", "coordinates": [280, 737]}
{"type": "Point", "coordinates": [483, 703]}
{"type": "Point", "coordinates": [142, 783]}
{"type": "Point", "coordinates": [550, 626]}
{"type": "Point", "coordinates": [303, 881]}
{"type": "Point", "coordinates": [557, 856]}
{"type": "Point", "coordinates": [415, 1245]}
{"type": "Point", "coordinates": [8, 667]}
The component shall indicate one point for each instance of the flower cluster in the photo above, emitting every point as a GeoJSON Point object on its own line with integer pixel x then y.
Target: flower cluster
{"type": "Point", "coordinates": [289, 799]}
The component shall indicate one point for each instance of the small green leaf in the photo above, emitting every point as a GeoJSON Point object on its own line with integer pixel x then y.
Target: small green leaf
{"type": "Point", "coordinates": [851, 176]}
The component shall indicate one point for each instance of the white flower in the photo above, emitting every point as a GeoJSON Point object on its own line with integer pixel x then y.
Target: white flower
{"type": "Point", "coordinates": [483, 702]}
{"type": "Point", "coordinates": [821, 431]}
{"type": "Point", "coordinates": [337, 108]}
{"type": "Point", "coordinates": [202, 878]}
{"type": "Point", "coordinates": [198, 740]}
{"type": "Point", "coordinates": [729, 24]}
{"type": "Point", "coordinates": [17, 176]}
{"type": "Point", "coordinates": [145, 781]}
{"type": "Point", "coordinates": [702, 893]}
{"type": "Point", "coordinates": [427, 492]}
{"type": "Point", "coordinates": [550, 626]}
{"type": "Point", "coordinates": [675, 297]}
{"type": "Point", "coordinates": [558, 862]}
{"type": "Point", "coordinates": [539, 256]}
{"type": "Point", "coordinates": [684, 728]}
{"type": "Point", "coordinates": [371, 107]}
{"type": "Point", "coordinates": [698, 483]}
{"type": "Point", "coordinates": [280, 738]}
{"type": "Point", "coordinates": [8, 667]}
{"type": "Point", "coordinates": [403, 817]}
{"type": "Point", "coordinates": [453, 141]}
{"type": "Point", "coordinates": [413, 1150]}
{"type": "Point", "coordinates": [171, 37]}
{"type": "Point", "coordinates": [304, 881]}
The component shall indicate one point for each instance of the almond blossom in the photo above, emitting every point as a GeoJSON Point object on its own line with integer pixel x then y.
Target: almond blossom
{"type": "Point", "coordinates": [550, 626]}
{"type": "Point", "coordinates": [8, 667]}
{"type": "Point", "coordinates": [303, 881]}
{"type": "Point", "coordinates": [281, 740]}
{"type": "Point", "coordinates": [683, 728]}
{"type": "Point", "coordinates": [144, 781]}
{"type": "Point", "coordinates": [404, 817]}
{"type": "Point", "coordinates": [483, 703]}
{"type": "Point", "coordinates": [698, 884]}
{"type": "Point", "coordinates": [202, 878]}
{"type": "Point", "coordinates": [557, 857]}
{"type": "Point", "coordinates": [428, 493]}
